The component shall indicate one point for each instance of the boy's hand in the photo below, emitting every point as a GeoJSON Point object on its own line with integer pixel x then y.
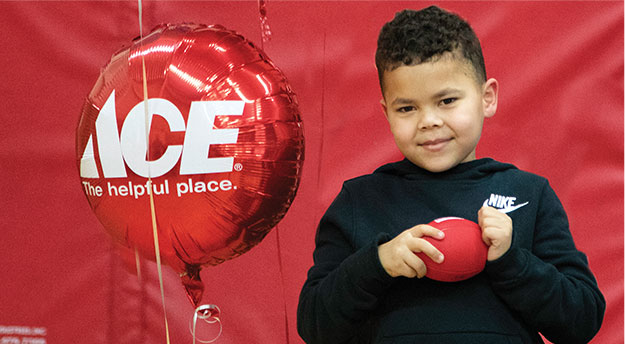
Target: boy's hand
{"type": "Point", "coordinates": [496, 231]}
{"type": "Point", "coordinates": [398, 255]}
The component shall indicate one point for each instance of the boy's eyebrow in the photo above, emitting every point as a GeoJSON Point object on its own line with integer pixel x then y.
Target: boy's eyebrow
{"type": "Point", "coordinates": [446, 91]}
{"type": "Point", "coordinates": [440, 94]}
{"type": "Point", "coordinates": [402, 101]}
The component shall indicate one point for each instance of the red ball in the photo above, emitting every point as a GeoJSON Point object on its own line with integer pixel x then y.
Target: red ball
{"type": "Point", "coordinates": [464, 250]}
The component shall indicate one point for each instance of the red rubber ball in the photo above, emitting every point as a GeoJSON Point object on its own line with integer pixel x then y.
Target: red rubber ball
{"type": "Point", "coordinates": [465, 252]}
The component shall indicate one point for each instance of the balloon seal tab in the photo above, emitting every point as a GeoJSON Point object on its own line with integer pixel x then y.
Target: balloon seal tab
{"type": "Point", "coordinates": [210, 314]}
{"type": "Point", "coordinates": [192, 283]}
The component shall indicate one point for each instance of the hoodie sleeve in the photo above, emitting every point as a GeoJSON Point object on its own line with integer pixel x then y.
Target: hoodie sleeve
{"type": "Point", "coordinates": [344, 284]}
{"type": "Point", "coordinates": [551, 287]}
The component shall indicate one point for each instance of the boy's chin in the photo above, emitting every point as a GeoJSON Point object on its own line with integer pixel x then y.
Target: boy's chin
{"type": "Point", "coordinates": [440, 163]}
{"type": "Point", "coordinates": [436, 166]}
{"type": "Point", "coordinates": [438, 169]}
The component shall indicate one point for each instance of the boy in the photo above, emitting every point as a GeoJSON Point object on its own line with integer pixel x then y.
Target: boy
{"type": "Point", "coordinates": [367, 285]}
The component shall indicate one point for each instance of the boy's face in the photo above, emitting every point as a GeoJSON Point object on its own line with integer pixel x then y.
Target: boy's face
{"type": "Point", "coordinates": [436, 111]}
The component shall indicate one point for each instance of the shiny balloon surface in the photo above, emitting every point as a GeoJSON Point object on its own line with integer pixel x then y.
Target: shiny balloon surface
{"type": "Point", "coordinates": [220, 146]}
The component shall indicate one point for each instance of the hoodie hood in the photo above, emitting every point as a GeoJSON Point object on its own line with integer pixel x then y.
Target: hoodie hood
{"type": "Point", "coordinates": [474, 169]}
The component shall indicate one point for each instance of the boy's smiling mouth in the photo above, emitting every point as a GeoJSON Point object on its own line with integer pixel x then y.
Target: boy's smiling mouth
{"type": "Point", "coordinates": [435, 144]}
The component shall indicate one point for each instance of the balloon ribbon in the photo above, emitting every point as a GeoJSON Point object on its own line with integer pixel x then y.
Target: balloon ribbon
{"type": "Point", "coordinates": [157, 250]}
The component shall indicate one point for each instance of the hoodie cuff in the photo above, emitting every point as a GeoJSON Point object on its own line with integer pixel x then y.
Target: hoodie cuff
{"type": "Point", "coordinates": [510, 266]}
{"type": "Point", "coordinates": [368, 268]}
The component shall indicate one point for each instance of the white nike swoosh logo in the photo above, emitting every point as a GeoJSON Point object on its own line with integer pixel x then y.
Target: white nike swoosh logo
{"type": "Point", "coordinates": [508, 209]}
{"type": "Point", "coordinates": [511, 209]}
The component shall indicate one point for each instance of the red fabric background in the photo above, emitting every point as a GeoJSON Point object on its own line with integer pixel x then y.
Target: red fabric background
{"type": "Point", "coordinates": [559, 64]}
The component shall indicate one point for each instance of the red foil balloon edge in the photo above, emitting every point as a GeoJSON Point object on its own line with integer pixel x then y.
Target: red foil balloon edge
{"type": "Point", "coordinates": [269, 149]}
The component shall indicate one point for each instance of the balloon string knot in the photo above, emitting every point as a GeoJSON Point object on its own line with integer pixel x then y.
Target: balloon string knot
{"type": "Point", "coordinates": [209, 314]}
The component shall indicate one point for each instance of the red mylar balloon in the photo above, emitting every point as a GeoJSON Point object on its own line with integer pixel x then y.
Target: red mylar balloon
{"type": "Point", "coordinates": [222, 155]}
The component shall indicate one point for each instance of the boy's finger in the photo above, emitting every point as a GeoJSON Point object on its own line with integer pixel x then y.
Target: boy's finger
{"type": "Point", "coordinates": [490, 212]}
{"type": "Point", "coordinates": [486, 239]}
{"type": "Point", "coordinates": [427, 230]}
{"type": "Point", "coordinates": [428, 249]}
{"type": "Point", "coordinates": [416, 264]}
{"type": "Point", "coordinates": [488, 209]}
{"type": "Point", "coordinates": [421, 269]}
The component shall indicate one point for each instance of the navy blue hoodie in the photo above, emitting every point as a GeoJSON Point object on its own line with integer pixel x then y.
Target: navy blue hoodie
{"type": "Point", "coordinates": [542, 283]}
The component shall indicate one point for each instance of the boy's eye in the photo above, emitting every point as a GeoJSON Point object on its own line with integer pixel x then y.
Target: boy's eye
{"type": "Point", "coordinates": [405, 109]}
{"type": "Point", "coordinates": [448, 101]}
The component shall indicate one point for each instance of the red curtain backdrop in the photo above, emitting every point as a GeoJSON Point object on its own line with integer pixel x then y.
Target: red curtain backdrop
{"type": "Point", "coordinates": [559, 64]}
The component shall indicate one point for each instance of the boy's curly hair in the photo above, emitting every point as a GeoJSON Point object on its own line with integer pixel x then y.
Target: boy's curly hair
{"type": "Point", "coordinates": [414, 37]}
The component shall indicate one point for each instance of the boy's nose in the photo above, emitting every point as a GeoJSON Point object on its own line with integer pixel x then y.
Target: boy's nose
{"type": "Point", "coordinates": [430, 119]}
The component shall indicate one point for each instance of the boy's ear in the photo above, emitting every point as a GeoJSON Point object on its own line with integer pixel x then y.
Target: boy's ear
{"type": "Point", "coordinates": [490, 93]}
{"type": "Point", "coordinates": [383, 103]}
